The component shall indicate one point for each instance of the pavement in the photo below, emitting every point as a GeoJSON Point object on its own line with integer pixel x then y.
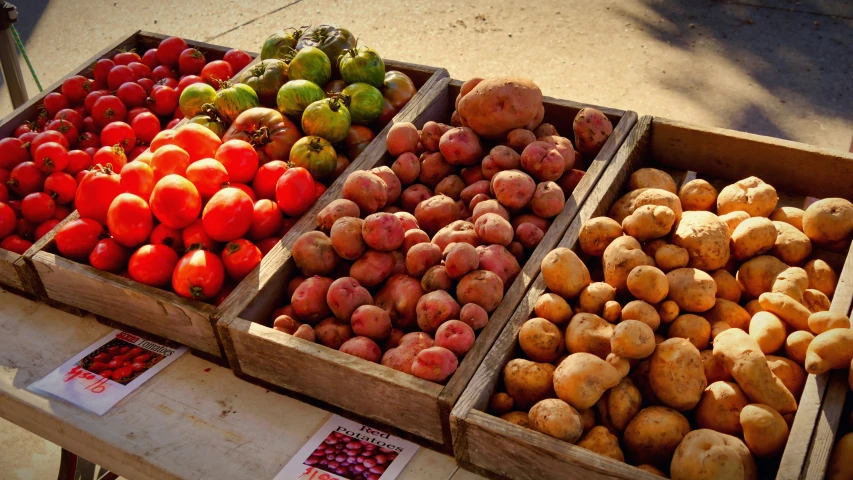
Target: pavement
{"type": "Point", "coordinates": [782, 68]}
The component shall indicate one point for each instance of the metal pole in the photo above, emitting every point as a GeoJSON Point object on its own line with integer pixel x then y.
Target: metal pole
{"type": "Point", "coordinates": [9, 56]}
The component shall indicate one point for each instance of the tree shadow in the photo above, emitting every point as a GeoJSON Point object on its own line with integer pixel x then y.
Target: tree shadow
{"type": "Point", "coordinates": [29, 14]}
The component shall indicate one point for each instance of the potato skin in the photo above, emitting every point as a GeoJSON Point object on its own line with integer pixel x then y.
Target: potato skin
{"type": "Point", "coordinates": [632, 339]}
{"type": "Point", "coordinates": [792, 375]}
{"type": "Point", "coordinates": [553, 308]}
{"type": "Point", "coordinates": [635, 199]}
{"type": "Point", "coordinates": [790, 215]}
{"type": "Point", "coordinates": [830, 350]}
{"type": "Point", "coordinates": [720, 407]}
{"type": "Point", "coordinates": [522, 419]}
{"type": "Point", "coordinates": [556, 418]}
{"type": "Point", "coordinates": [653, 435]}
{"type": "Point", "coordinates": [693, 328]}
{"type": "Point", "coordinates": [528, 382]}
{"type": "Point", "coordinates": [715, 371]}
{"type": "Point", "coordinates": [642, 311]}
{"type": "Point", "coordinates": [727, 286]}
{"type": "Point", "coordinates": [669, 257]}
{"type": "Point", "coordinates": [649, 222]}
{"type": "Point", "coordinates": [593, 298]}
{"type": "Point", "coordinates": [768, 330]}
{"type": "Point", "coordinates": [692, 289]}
{"type": "Point", "coordinates": [797, 345]}
{"type": "Point", "coordinates": [706, 239]}
{"type": "Point", "coordinates": [821, 276]}
{"type": "Point", "coordinates": [676, 374]}
{"type": "Point", "coordinates": [582, 378]}
{"type": "Point", "coordinates": [704, 454]}
{"type": "Point", "coordinates": [764, 430]}
{"type": "Point", "coordinates": [564, 273]}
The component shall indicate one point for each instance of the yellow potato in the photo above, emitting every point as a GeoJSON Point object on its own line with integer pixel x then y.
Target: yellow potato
{"type": "Point", "coordinates": [597, 233]}
{"type": "Point", "coordinates": [714, 370]}
{"type": "Point", "coordinates": [589, 333]}
{"type": "Point", "coordinates": [619, 405]}
{"type": "Point", "coordinates": [840, 467]}
{"type": "Point", "coordinates": [500, 403]}
{"type": "Point", "coordinates": [816, 301]}
{"type": "Point", "coordinates": [698, 194]}
{"type": "Point", "coordinates": [756, 276]}
{"type": "Point", "coordinates": [764, 430]}
{"type": "Point", "coordinates": [793, 282]}
{"type": "Point", "coordinates": [824, 321]}
{"type": "Point", "coordinates": [720, 407]}
{"type": "Point", "coordinates": [602, 442]}
{"type": "Point", "coordinates": [676, 374]}
{"type": "Point", "coordinates": [730, 313]}
{"type": "Point", "coordinates": [645, 196]}
{"type": "Point", "coordinates": [693, 328]}
{"type": "Point", "coordinates": [705, 454]}
{"type": "Point", "coordinates": [518, 418]}
{"type": "Point", "coordinates": [582, 378]}
{"type": "Point", "coordinates": [821, 276]}
{"type": "Point", "coordinates": [752, 237]}
{"type": "Point", "coordinates": [692, 289]}
{"type": "Point", "coordinates": [768, 330]}
{"type": "Point", "coordinates": [632, 339]}
{"type": "Point", "coordinates": [528, 382]}
{"type": "Point", "coordinates": [792, 246]}
{"type": "Point", "coordinates": [829, 220]}
{"type": "Point", "coordinates": [669, 257]}
{"type": "Point", "coordinates": [727, 286]}
{"type": "Point", "coordinates": [553, 308]}
{"type": "Point", "coordinates": [642, 311]}
{"type": "Point", "coordinates": [797, 345]}
{"type": "Point", "coordinates": [668, 311]}
{"type": "Point", "coordinates": [564, 273]}
{"type": "Point", "coordinates": [786, 308]}
{"type": "Point", "coordinates": [750, 195]}
{"type": "Point", "coordinates": [733, 219]}
{"type": "Point", "coordinates": [649, 222]}
{"type": "Point", "coordinates": [612, 311]}
{"type": "Point", "coordinates": [653, 435]}
{"type": "Point", "coordinates": [594, 296]}
{"type": "Point", "coordinates": [648, 284]}
{"type": "Point", "coordinates": [790, 215]}
{"type": "Point", "coordinates": [652, 469]}
{"type": "Point", "coordinates": [752, 307]}
{"type": "Point", "coordinates": [706, 239]}
{"type": "Point", "coordinates": [651, 248]}
{"type": "Point", "coordinates": [718, 328]}
{"type": "Point", "coordinates": [621, 364]}
{"type": "Point", "coordinates": [651, 178]}
{"type": "Point", "coordinates": [792, 375]}
{"type": "Point", "coordinates": [587, 418]}
{"type": "Point", "coordinates": [620, 257]}
{"type": "Point", "coordinates": [556, 418]}
{"type": "Point", "coordinates": [540, 340]}
{"type": "Point", "coordinates": [830, 350]}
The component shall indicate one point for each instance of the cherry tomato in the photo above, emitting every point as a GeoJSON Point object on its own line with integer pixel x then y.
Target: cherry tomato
{"type": "Point", "coordinates": [149, 58]}
{"type": "Point", "coordinates": [208, 176]}
{"type": "Point", "coordinates": [129, 220]}
{"type": "Point", "coordinates": [25, 179]}
{"type": "Point", "coordinates": [48, 136]}
{"type": "Point", "coordinates": [109, 256]}
{"type": "Point", "coordinates": [240, 159]}
{"type": "Point", "coordinates": [107, 109]}
{"type": "Point", "coordinates": [266, 178]}
{"type": "Point", "coordinates": [62, 211]}
{"type": "Point", "coordinates": [194, 236]}
{"type": "Point", "coordinates": [191, 61]}
{"type": "Point", "coordinates": [240, 257]}
{"type": "Point", "coordinates": [186, 81]}
{"type": "Point", "coordinates": [73, 116]}
{"type": "Point", "coordinates": [142, 358]}
{"type": "Point", "coordinates": [77, 238]}
{"type": "Point", "coordinates": [152, 265]}
{"type": "Point", "coordinates": [138, 178]}
{"type": "Point", "coordinates": [216, 72]}
{"type": "Point", "coordinates": [44, 228]}
{"type": "Point", "coordinates": [121, 373]}
{"type": "Point", "coordinates": [78, 161]}
{"type": "Point", "coordinates": [12, 152]}
{"type": "Point", "coordinates": [132, 94]}
{"type": "Point", "coordinates": [118, 133]}
{"type": "Point", "coordinates": [198, 275]}
{"type": "Point", "coordinates": [8, 219]}
{"type": "Point", "coordinates": [102, 69]}
{"type": "Point", "coordinates": [76, 88]}
{"type": "Point", "coordinates": [175, 201]}
{"type": "Point", "coordinates": [168, 160]}
{"type": "Point", "coordinates": [15, 243]}
{"type": "Point", "coordinates": [163, 72]}
{"type": "Point", "coordinates": [238, 59]}
{"type": "Point", "coordinates": [54, 102]}
{"type": "Point", "coordinates": [106, 373]}
{"type": "Point", "coordinates": [294, 191]}
{"type": "Point", "coordinates": [163, 100]}
{"type": "Point", "coordinates": [97, 367]}
{"type": "Point", "coordinates": [169, 50]}
{"type": "Point", "coordinates": [38, 207]}
{"type": "Point", "coordinates": [146, 125]}
{"type": "Point", "coordinates": [96, 192]}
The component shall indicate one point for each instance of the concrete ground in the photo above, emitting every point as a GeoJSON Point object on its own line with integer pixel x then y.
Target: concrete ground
{"type": "Point", "coordinates": [775, 67]}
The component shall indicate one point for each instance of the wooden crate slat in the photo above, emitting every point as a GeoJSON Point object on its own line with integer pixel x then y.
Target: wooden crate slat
{"type": "Point", "coordinates": [8, 272]}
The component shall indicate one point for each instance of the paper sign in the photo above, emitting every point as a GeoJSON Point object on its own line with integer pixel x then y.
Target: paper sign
{"type": "Point", "coordinates": [343, 449]}
{"type": "Point", "coordinates": [107, 371]}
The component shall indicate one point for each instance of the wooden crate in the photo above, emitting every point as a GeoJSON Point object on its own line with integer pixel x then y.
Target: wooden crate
{"type": "Point", "coordinates": [484, 442]}
{"type": "Point", "coordinates": [122, 302]}
{"type": "Point", "coordinates": [366, 389]}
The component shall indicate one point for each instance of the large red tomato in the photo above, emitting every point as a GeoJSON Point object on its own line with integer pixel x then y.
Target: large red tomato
{"type": "Point", "coordinates": [124, 58]}
{"type": "Point", "coordinates": [198, 275]}
{"type": "Point", "coordinates": [267, 130]}
{"type": "Point", "coordinates": [168, 160]}
{"type": "Point", "coordinates": [240, 257]}
{"type": "Point", "coordinates": [294, 191]}
{"type": "Point", "coordinates": [267, 177]}
{"type": "Point", "coordinates": [149, 58]}
{"type": "Point", "coordinates": [166, 236]}
{"type": "Point", "coordinates": [113, 156]}
{"type": "Point", "coordinates": [132, 94]}
{"type": "Point", "coordinates": [228, 215]}
{"type": "Point", "coordinates": [208, 176]}
{"type": "Point", "coordinates": [51, 157]}
{"type": "Point", "coordinates": [12, 152]}
{"type": "Point", "coordinates": [266, 220]}
{"type": "Point", "coordinates": [138, 178]}
{"type": "Point", "coordinates": [108, 108]}
{"type": "Point", "coordinates": [96, 192]}
{"type": "Point", "coordinates": [169, 51]}
{"type": "Point", "coordinates": [78, 160]}
{"type": "Point", "coordinates": [129, 220]}
{"type": "Point", "coordinates": [61, 186]}
{"type": "Point", "coordinates": [163, 100]}
{"type": "Point", "coordinates": [140, 69]}
{"type": "Point", "coordinates": [108, 255]}
{"type": "Point", "coordinates": [45, 137]}
{"type": "Point", "coordinates": [118, 133]}
{"type": "Point", "coordinates": [76, 88]}
{"type": "Point", "coordinates": [191, 61]}
{"type": "Point", "coordinates": [38, 207]}
{"type": "Point", "coordinates": [73, 116]}
{"type": "Point", "coordinates": [152, 265]}
{"type": "Point", "coordinates": [175, 201]}
{"type": "Point", "coordinates": [77, 238]}
{"type": "Point", "coordinates": [240, 160]}
{"type": "Point", "coordinates": [119, 75]}
{"type": "Point", "coordinates": [8, 219]}
{"type": "Point", "coordinates": [54, 102]}
{"type": "Point", "coordinates": [25, 179]}
{"type": "Point", "coordinates": [194, 236]}
{"type": "Point", "coordinates": [88, 140]}
{"type": "Point", "coordinates": [198, 141]}
{"type": "Point", "coordinates": [146, 125]}
{"type": "Point", "coordinates": [215, 72]}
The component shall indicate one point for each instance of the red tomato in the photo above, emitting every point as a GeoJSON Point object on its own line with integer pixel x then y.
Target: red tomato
{"type": "Point", "coordinates": [14, 243]}
{"type": "Point", "coordinates": [266, 244]}
{"type": "Point", "coordinates": [216, 72]}
{"type": "Point", "coordinates": [96, 192]}
{"type": "Point", "coordinates": [240, 257]}
{"type": "Point", "coordinates": [266, 178]}
{"type": "Point", "coordinates": [169, 160]}
{"type": "Point", "coordinates": [44, 228]}
{"type": "Point", "coordinates": [240, 159]}
{"type": "Point", "coordinates": [93, 97]}
{"type": "Point", "coordinates": [124, 58]}
{"type": "Point", "coordinates": [191, 61]}
{"type": "Point", "coordinates": [106, 373]}
{"type": "Point", "coordinates": [62, 211]}
{"type": "Point", "coordinates": [163, 100]}
{"type": "Point", "coordinates": [88, 140]}
{"type": "Point", "coordinates": [198, 275]}
{"type": "Point", "coordinates": [119, 75]}
{"type": "Point", "coordinates": [162, 73]}
{"type": "Point", "coordinates": [194, 236]}
{"type": "Point", "coordinates": [165, 137]}
{"type": "Point", "coordinates": [142, 358]}
{"type": "Point", "coordinates": [294, 191]}
{"type": "Point", "coordinates": [22, 129]}
{"type": "Point", "coordinates": [77, 238]}
{"type": "Point", "coordinates": [198, 141]}
{"type": "Point", "coordinates": [118, 133]}
{"type": "Point", "coordinates": [121, 373]}
{"type": "Point", "coordinates": [175, 201]}
{"type": "Point", "coordinates": [134, 112]}
{"type": "Point", "coordinates": [186, 81]}
{"type": "Point", "coordinates": [97, 367]}
{"type": "Point", "coordinates": [4, 176]}
{"type": "Point", "coordinates": [38, 207]}
{"type": "Point", "coordinates": [140, 69]}
{"type": "Point", "coordinates": [289, 222]}
{"type": "Point", "coordinates": [113, 156]}
{"type": "Point", "coordinates": [24, 228]}
{"type": "Point", "coordinates": [8, 219]}
{"type": "Point", "coordinates": [138, 367]}
{"type": "Point", "coordinates": [78, 161]}
{"type": "Point", "coordinates": [319, 189]}
{"type": "Point", "coordinates": [134, 352]}
{"type": "Point", "coordinates": [25, 179]}
{"type": "Point", "coordinates": [108, 109]}
{"type": "Point", "coordinates": [102, 357]}
{"type": "Point", "coordinates": [102, 69]}
{"type": "Point", "coordinates": [112, 351]}
{"type": "Point", "coordinates": [132, 94]}
{"type": "Point", "coordinates": [172, 123]}
{"type": "Point", "coordinates": [266, 220]}
{"type": "Point", "coordinates": [146, 83]}
{"type": "Point", "coordinates": [149, 58]}
{"type": "Point", "coordinates": [169, 50]}
{"type": "Point", "coordinates": [135, 153]}
{"type": "Point", "coordinates": [109, 256]}
{"type": "Point", "coordinates": [152, 265]}
{"type": "Point", "coordinates": [129, 220]}
{"type": "Point", "coordinates": [90, 126]}
{"type": "Point", "coordinates": [61, 186]}
{"type": "Point", "coordinates": [66, 128]}
{"type": "Point", "coordinates": [54, 102]}
{"type": "Point", "coordinates": [138, 178]}
{"type": "Point", "coordinates": [12, 152]}
{"type": "Point", "coordinates": [245, 188]}
{"type": "Point", "coordinates": [48, 136]}
{"type": "Point", "coordinates": [15, 205]}
{"type": "Point", "coordinates": [228, 215]}
{"type": "Point", "coordinates": [72, 115]}
{"type": "Point", "coordinates": [238, 59]}
{"type": "Point", "coordinates": [76, 88]}
{"type": "Point", "coordinates": [208, 176]}
{"type": "Point", "coordinates": [146, 125]}
{"type": "Point", "coordinates": [28, 138]}
{"type": "Point", "coordinates": [170, 237]}
{"type": "Point", "coordinates": [4, 190]}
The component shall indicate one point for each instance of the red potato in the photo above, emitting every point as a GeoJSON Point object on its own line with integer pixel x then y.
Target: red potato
{"type": "Point", "coordinates": [293, 284]}
{"type": "Point", "coordinates": [513, 188]}
{"type": "Point", "coordinates": [505, 157]}
{"type": "Point", "coordinates": [458, 231]}
{"type": "Point", "coordinates": [392, 183]}
{"type": "Point", "coordinates": [570, 180]}
{"type": "Point", "coordinates": [392, 209]}
{"type": "Point", "coordinates": [431, 135]}
{"type": "Point", "coordinates": [383, 231]}
{"type": "Point", "coordinates": [464, 211]}
{"type": "Point", "coordinates": [400, 359]}
{"type": "Point", "coordinates": [528, 235]}
{"type": "Point", "coordinates": [537, 119]}
{"type": "Point", "coordinates": [520, 138]}
{"type": "Point", "coordinates": [309, 300]}
{"type": "Point", "coordinates": [545, 130]}
{"type": "Point", "coordinates": [592, 129]}
{"type": "Point", "coordinates": [496, 106]}
{"type": "Point", "coordinates": [433, 169]}
{"type": "Point", "coordinates": [362, 347]}
{"type": "Point", "coordinates": [540, 222]}
{"type": "Point", "coordinates": [435, 308]}
{"type": "Point", "coordinates": [286, 310]}
{"type": "Point", "coordinates": [461, 146]}
{"type": "Point", "coordinates": [412, 238]}
{"type": "Point", "coordinates": [399, 297]}
{"type": "Point", "coordinates": [366, 189]}
{"type": "Point", "coordinates": [517, 250]}
{"type": "Point", "coordinates": [417, 340]}
{"type": "Point", "coordinates": [460, 258]}
{"type": "Point", "coordinates": [548, 200]}
{"type": "Point", "coordinates": [472, 174]}
{"type": "Point", "coordinates": [489, 206]}
{"type": "Point", "coordinates": [345, 296]}
{"type": "Point", "coordinates": [482, 287]}
{"type": "Point", "coordinates": [399, 263]}
{"type": "Point", "coordinates": [373, 268]}
{"type": "Point", "coordinates": [413, 195]}
{"type": "Point", "coordinates": [500, 261]}
{"type": "Point", "coordinates": [402, 137]}
{"type": "Point", "coordinates": [286, 324]}
{"type": "Point", "coordinates": [408, 220]}
{"type": "Point", "coordinates": [436, 212]}
{"type": "Point", "coordinates": [451, 186]}
{"type": "Point", "coordinates": [407, 167]}
{"type": "Point", "coordinates": [474, 316]}
{"type": "Point", "coordinates": [393, 339]}
{"type": "Point", "coordinates": [476, 188]}
{"type": "Point", "coordinates": [492, 228]}
{"type": "Point", "coordinates": [305, 332]}
{"type": "Point", "coordinates": [566, 149]}
{"type": "Point", "coordinates": [334, 210]}
{"type": "Point", "coordinates": [489, 167]}
{"type": "Point", "coordinates": [456, 120]}
{"type": "Point", "coordinates": [347, 239]}
{"type": "Point", "coordinates": [421, 258]}
{"type": "Point", "coordinates": [478, 199]}
{"type": "Point", "coordinates": [332, 332]}
{"type": "Point", "coordinates": [314, 254]}
{"type": "Point", "coordinates": [436, 278]}
{"type": "Point", "coordinates": [542, 161]}
{"type": "Point", "coordinates": [435, 364]}
{"type": "Point", "coordinates": [372, 322]}
{"type": "Point", "coordinates": [456, 336]}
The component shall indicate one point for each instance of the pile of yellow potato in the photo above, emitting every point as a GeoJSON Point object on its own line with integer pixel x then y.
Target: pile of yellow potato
{"type": "Point", "coordinates": [687, 357]}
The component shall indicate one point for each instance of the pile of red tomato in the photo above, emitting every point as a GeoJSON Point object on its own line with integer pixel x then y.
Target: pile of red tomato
{"type": "Point", "coordinates": [118, 363]}
{"type": "Point", "coordinates": [109, 118]}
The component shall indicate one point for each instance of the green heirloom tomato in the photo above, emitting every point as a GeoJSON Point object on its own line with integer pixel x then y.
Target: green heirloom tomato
{"type": "Point", "coordinates": [331, 39]}
{"type": "Point", "coordinates": [365, 103]}
{"type": "Point", "coordinates": [234, 99]}
{"type": "Point", "coordinates": [362, 64]}
{"type": "Point", "coordinates": [266, 78]}
{"type": "Point", "coordinates": [194, 96]}
{"type": "Point", "coordinates": [316, 155]}
{"type": "Point", "coordinates": [295, 96]}
{"type": "Point", "coordinates": [210, 119]}
{"type": "Point", "coordinates": [310, 64]}
{"type": "Point", "coordinates": [327, 118]}
{"type": "Point", "coordinates": [278, 44]}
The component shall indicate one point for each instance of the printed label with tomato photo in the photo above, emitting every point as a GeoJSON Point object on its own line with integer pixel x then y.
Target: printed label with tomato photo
{"type": "Point", "coordinates": [107, 371]}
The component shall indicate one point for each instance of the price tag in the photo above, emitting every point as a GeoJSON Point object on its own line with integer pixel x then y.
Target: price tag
{"type": "Point", "coordinates": [343, 450]}
{"type": "Point", "coordinates": [107, 371]}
